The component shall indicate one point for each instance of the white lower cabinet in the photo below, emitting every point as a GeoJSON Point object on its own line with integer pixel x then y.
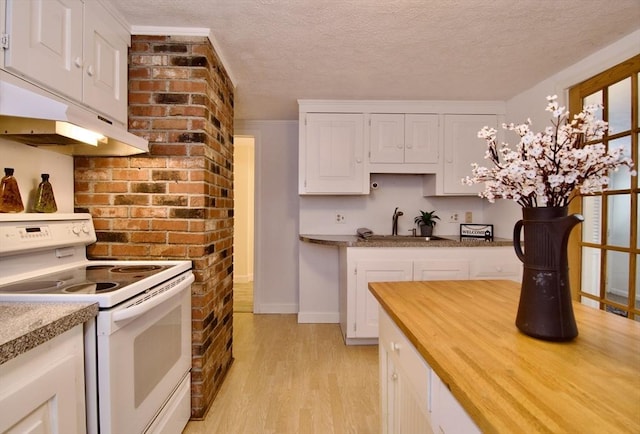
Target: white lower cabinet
{"type": "Point", "coordinates": [361, 265]}
{"type": "Point", "coordinates": [42, 390]}
{"type": "Point", "coordinates": [366, 321]}
{"type": "Point", "coordinates": [413, 398]}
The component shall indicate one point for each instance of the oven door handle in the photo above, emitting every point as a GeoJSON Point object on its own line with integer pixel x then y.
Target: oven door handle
{"type": "Point", "coordinates": [153, 301]}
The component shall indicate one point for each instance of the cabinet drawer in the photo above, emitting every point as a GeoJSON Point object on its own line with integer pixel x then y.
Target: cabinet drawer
{"type": "Point", "coordinates": [496, 270]}
{"type": "Point", "coordinates": [406, 357]}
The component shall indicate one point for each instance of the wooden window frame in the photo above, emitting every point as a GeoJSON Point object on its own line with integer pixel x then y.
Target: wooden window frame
{"type": "Point", "coordinates": [629, 68]}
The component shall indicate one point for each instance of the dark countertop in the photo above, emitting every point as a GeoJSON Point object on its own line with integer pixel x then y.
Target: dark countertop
{"type": "Point", "coordinates": [27, 325]}
{"type": "Point", "coordinates": [444, 241]}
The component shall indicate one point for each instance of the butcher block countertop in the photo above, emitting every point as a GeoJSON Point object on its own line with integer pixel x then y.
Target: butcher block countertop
{"type": "Point", "coordinates": [509, 382]}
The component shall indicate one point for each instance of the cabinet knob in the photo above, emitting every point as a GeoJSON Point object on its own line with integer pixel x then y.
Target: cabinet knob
{"type": "Point", "coordinates": [395, 346]}
{"type": "Point", "coordinates": [90, 70]}
{"type": "Point", "coordinates": [400, 146]}
{"type": "Point", "coordinates": [409, 146]}
{"type": "Point", "coordinates": [394, 376]}
{"type": "Point", "coordinates": [358, 160]}
{"type": "Point", "coordinates": [78, 62]}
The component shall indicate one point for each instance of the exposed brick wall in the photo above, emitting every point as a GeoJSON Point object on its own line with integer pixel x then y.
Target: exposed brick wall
{"type": "Point", "coordinates": [176, 202]}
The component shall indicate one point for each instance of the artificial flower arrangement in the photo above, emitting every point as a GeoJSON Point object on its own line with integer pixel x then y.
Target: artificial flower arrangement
{"type": "Point", "coordinates": [546, 167]}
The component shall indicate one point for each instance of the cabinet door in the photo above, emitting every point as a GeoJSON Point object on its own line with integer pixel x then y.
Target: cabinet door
{"type": "Point", "coordinates": [42, 390]}
{"type": "Point", "coordinates": [105, 63]}
{"type": "Point", "coordinates": [45, 43]}
{"type": "Point", "coordinates": [447, 415]}
{"type": "Point", "coordinates": [404, 383]}
{"type": "Point", "coordinates": [334, 154]}
{"type": "Point", "coordinates": [421, 138]}
{"type": "Point", "coordinates": [387, 141]}
{"type": "Point", "coordinates": [366, 325]}
{"type": "Point", "coordinates": [441, 270]}
{"type": "Point", "coordinates": [463, 147]}
{"type": "Point", "coordinates": [404, 138]}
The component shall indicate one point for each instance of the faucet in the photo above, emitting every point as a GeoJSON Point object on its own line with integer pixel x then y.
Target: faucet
{"type": "Point", "coordinates": [394, 227]}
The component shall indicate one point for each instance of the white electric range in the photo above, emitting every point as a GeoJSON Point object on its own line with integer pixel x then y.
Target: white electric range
{"type": "Point", "coordinates": [138, 350]}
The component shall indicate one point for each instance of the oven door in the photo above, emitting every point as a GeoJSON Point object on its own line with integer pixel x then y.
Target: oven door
{"type": "Point", "coordinates": [144, 352]}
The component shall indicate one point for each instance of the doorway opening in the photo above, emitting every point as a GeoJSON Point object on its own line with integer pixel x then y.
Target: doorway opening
{"type": "Point", "coordinates": [243, 232]}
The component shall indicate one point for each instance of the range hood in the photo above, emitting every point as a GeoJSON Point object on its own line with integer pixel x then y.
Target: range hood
{"type": "Point", "coordinates": [34, 118]}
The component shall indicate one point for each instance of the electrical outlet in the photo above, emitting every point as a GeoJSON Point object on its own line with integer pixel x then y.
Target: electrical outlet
{"type": "Point", "coordinates": [454, 217]}
{"type": "Point", "coordinates": [340, 218]}
{"type": "Point", "coordinates": [468, 217]}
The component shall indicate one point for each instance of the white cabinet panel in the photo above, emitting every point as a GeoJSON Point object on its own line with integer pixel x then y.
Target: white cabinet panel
{"type": "Point", "coordinates": [45, 43]}
{"type": "Point", "coordinates": [72, 48]}
{"type": "Point", "coordinates": [441, 270]}
{"type": "Point", "coordinates": [403, 143]}
{"type": "Point", "coordinates": [366, 308]}
{"type": "Point", "coordinates": [387, 138]}
{"type": "Point", "coordinates": [447, 415]}
{"type": "Point", "coordinates": [404, 381]}
{"type": "Point", "coordinates": [105, 48]}
{"type": "Point", "coordinates": [421, 138]}
{"type": "Point", "coordinates": [42, 390]}
{"type": "Point", "coordinates": [463, 147]}
{"type": "Point", "coordinates": [332, 154]}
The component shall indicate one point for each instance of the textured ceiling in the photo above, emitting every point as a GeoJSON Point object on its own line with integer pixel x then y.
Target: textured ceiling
{"type": "Point", "coordinates": [279, 51]}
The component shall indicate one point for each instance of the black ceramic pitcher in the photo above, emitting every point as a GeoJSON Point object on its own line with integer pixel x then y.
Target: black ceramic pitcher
{"type": "Point", "coordinates": [545, 310]}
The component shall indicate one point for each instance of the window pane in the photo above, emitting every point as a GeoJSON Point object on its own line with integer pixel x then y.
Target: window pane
{"type": "Point", "coordinates": [617, 288]}
{"type": "Point", "coordinates": [619, 210]}
{"type": "Point", "coordinates": [590, 271]}
{"type": "Point", "coordinates": [621, 179]}
{"type": "Point", "coordinates": [594, 98]}
{"type": "Point", "coordinates": [619, 106]}
{"type": "Point", "coordinates": [591, 211]}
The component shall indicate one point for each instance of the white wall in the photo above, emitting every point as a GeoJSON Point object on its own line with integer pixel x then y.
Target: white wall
{"type": "Point", "coordinates": [29, 163]}
{"type": "Point", "coordinates": [276, 214]}
{"type": "Point", "coordinates": [243, 212]}
{"type": "Point", "coordinates": [375, 211]}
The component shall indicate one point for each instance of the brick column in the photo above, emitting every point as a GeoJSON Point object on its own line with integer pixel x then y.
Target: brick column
{"type": "Point", "coordinates": [176, 202]}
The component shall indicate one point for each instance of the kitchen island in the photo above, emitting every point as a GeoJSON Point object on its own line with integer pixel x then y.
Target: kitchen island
{"type": "Point", "coordinates": [505, 381]}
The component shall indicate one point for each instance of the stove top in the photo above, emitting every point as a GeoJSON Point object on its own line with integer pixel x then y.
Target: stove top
{"type": "Point", "coordinates": [87, 279]}
{"type": "Point", "coordinates": [43, 259]}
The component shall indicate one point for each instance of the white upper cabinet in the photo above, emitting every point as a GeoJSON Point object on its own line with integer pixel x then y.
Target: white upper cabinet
{"type": "Point", "coordinates": [74, 49]}
{"type": "Point", "coordinates": [105, 63]}
{"type": "Point", "coordinates": [45, 43]}
{"type": "Point", "coordinates": [438, 139]}
{"type": "Point", "coordinates": [332, 154]}
{"type": "Point", "coordinates": [462, 147]}
{"type": "Point", "coordinates": [410, 141]}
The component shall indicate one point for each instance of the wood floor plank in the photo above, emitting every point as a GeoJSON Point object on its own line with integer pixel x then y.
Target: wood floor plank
{"type": "Point", "coordinates": [294, 378]}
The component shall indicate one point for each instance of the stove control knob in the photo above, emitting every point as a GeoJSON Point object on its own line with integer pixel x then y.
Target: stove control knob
{"type": "Point", "coordinates": [85, 228]}
{"type": "Point", "coordinates": [76, 229]}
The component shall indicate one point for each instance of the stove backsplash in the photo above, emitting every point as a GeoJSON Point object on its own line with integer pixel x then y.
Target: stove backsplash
{"type": "Point", "coordinates": [29, 163]}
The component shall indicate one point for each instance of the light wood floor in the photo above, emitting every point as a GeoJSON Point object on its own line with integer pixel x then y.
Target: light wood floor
{"type": "Point", "coordinates": [294, 378]}
{"type": "Point", "coordinates": [243, 297]}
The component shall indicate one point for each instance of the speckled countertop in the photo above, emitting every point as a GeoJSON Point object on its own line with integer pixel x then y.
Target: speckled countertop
{"type": "Point", "coordinates": [27, 325]}
{"type": "Point", "coordinates": [444, 241]}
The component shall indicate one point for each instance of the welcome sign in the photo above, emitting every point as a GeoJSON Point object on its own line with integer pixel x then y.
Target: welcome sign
{"type": "Point", "coordinates": [477, 231]}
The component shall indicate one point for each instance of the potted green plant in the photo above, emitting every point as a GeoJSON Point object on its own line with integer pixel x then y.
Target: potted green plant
{"type": "Point", "coordinates": [426, 221]}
